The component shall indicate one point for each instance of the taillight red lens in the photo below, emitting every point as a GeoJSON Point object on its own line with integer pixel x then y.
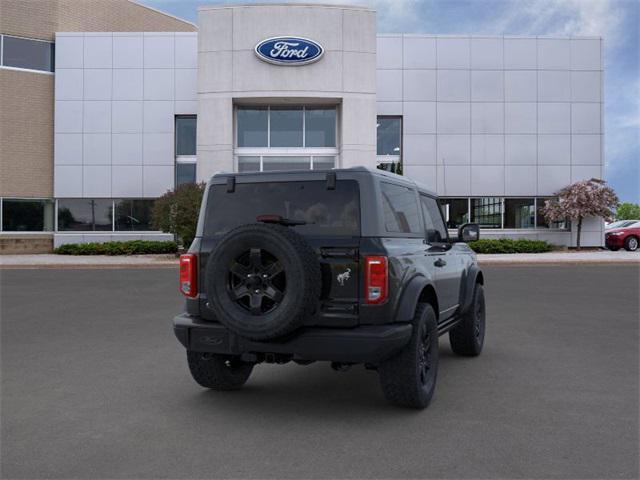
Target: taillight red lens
{"type": "Point", "coordinates": [376, 279]}
{"type": "Point", "coordinates": [189, 275]}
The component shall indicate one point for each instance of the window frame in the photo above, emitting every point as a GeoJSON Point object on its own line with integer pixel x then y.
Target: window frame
{"type": "Point", "coordinates": [447, 239]}
{"type": "Point", "coordinates": [183, 159]}
{"type": "Point", "coordinates": [52, 201]}
{"type": "Point", "coordinates": [388, 159]}
{"type": "Point", "coordinates": [268, 150]}
{"type": "Point", "coordinates": [536, 228]}
{"type": "Point", "coordinates": [113, 218]}
{"type": "Point", "coordinates": [391, 234]}
{"type": "Point", "coordinates": [22, 69]}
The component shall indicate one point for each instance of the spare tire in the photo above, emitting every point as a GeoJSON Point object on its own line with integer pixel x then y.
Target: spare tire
{"type": "Point", "coordinates": [262, 281]}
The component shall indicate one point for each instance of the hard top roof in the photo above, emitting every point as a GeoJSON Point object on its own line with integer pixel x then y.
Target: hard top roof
{"type": "Point", "coordinates": [315, 173]}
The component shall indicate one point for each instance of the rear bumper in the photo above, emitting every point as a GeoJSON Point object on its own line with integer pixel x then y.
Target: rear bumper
{"type": "Point", "coordinates": [363, 344]}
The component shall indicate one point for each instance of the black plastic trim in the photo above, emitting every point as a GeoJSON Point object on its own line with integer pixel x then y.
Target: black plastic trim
{"type": "Point", "coordinates": [363, 344]}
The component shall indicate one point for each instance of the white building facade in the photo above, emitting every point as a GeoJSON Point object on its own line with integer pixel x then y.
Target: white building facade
{"type": "Point", "coordinates": [494, 125]}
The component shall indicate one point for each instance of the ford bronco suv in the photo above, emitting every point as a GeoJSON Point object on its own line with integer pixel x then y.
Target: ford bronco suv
{"type": "Point", "coordinates": [350, 266]}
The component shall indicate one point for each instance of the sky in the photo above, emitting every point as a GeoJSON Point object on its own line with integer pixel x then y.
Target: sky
{"type": "Point", "coordinates": [617, 21]}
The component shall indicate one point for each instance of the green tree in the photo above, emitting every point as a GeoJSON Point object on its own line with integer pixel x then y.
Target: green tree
{"type": "Point", "coordinates": [177, 211]}
{"type": "Point", "coordinates": [628, 211]}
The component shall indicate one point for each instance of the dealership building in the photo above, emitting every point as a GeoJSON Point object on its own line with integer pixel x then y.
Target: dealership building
{"type": "Point", "coordinates": [107, 105]}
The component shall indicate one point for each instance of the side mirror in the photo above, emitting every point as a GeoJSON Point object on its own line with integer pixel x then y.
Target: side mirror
{"type": "Point", "coordinates": [468, 232]}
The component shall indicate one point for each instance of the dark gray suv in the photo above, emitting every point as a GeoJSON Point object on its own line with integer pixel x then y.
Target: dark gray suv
{"type": "Point", "coordinates": [348, 266]}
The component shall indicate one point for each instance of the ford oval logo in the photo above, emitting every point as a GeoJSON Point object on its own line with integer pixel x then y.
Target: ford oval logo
{"type": "Point", "coordinates": [289, 50]}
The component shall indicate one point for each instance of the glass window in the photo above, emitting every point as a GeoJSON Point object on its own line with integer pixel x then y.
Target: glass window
{"type": "Point", "coordinates": [324, 163]}
{"type": "Point", "coordinates": [186, 135]}
{"type": "Point", "coordinates": [456, 211]}
{"type": "Point", "coordinates": [185, 173]}
{"type": "Point", "coordinates": [542, 222]}
{"type": "Point", "coordinates": [487, 212]}
{"type": "Point", "coordinates": [133, 215]}
{"type": "Point", "coordinates": [519, 213]}
{"type": "Point", "coordinates": [253, 125]}
{"type": "Point", "coordinates": [320, 127]}
{"type": "Point", "coordinates": [25, 215]}
{"type": "Point", "coordinates": [26, 53]}
{"type": "Point", "coordinates": [248, 164]}
{"type": "Point", "coordinates": [272, 163]}
{"type": "Point", "coordinates": [400, 209]}
{"type": "Point", "coordinates": [436, 231]}
{"type": "Point", "coordinates": [285, 125]}
{"type": "Point", "coordinates": [84, 214]}
{"type": "Point", "coordinates": [326, 212]}
{"type": "Point", "coordinates": [389, 132]}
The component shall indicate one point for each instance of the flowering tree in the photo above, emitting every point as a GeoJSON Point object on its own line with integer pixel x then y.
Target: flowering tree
{"type": "Point", "coordinates": [586, 198]}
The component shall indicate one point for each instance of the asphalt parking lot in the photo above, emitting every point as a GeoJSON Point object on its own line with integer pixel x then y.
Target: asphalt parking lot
{"type": "Point", "coordinates": [94, 385]}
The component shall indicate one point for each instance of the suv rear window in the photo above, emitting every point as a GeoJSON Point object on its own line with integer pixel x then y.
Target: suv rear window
{"type": "Point", "coordinates": [327, 212]}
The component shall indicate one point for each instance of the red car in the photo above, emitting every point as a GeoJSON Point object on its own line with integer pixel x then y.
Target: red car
{"type": "Point", "coordinates": [627, 237]}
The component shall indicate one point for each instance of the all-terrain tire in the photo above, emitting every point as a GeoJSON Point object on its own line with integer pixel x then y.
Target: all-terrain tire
{"type": "Point", "coordinates": [467, 338]}
{"type": "Point", "coordinates": [409, 378]}
{"type": "Point", "coordinates": [298, 292]}
{"type": "Point", "coordinates": [631, 243]}
{"type": "Point", "coordinates": [218, 372]}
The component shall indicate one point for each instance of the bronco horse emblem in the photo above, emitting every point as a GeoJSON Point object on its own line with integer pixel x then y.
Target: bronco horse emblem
{"type": "Point", "coordinates": [344, 276]}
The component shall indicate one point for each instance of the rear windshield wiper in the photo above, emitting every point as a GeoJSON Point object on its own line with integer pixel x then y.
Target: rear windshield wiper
{"type": "Point", "coordinates": [280, 220]}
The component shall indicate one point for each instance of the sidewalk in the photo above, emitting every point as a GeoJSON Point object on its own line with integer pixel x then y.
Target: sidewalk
{"type": "Point", "coordinates": [170, 261]}
{"type": "Point", "coordinates": [565, 257]}
{"type": "Point", "coordinates": [88, 261]}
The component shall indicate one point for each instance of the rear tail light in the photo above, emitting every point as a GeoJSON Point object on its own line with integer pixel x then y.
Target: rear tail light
{"type": "Point", "coordinates": [376, 279]}
{"type": "Point", "coordinates": [189, 275]}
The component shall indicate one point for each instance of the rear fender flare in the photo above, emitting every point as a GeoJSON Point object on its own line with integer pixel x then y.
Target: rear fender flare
{"type": "Point", "coordinates": [409, 299]}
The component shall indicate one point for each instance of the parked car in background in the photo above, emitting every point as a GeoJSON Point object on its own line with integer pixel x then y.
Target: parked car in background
{"type": "Point", "coordinates": [620, 224]}
{"type": "Point", "coordinates": [627, 237]}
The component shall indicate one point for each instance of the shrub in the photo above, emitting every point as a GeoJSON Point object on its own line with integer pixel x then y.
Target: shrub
{"type": "Point", "coordinates": [132, 247]}
{"type": "Point", "coordinates": [508, 245]}
{"type": "Point", "coordinates": [177, 211]}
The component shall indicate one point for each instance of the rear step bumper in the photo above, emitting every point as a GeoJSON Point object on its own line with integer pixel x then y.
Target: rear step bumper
{"type": "Point", "coordinates": [363, 344]}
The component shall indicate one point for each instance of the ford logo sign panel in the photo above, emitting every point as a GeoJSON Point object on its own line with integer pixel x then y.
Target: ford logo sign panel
{"type": "Point", "coordinates": [289, 51]}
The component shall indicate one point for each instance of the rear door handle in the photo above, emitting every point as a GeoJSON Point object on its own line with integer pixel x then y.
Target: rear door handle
{"type": "Point", "coordinates": [439, 263]}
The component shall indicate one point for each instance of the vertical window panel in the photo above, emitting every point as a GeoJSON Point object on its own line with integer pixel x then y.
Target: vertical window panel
{"type": "Point", "coordinates": [85, 215]}
{"type": "Point", "coordinates": [286, 127]}
{"type": "Point", "coordinates": [389, 135]}
{"type": "Point", "coordinates": [320, 127]}
{"type": "Point", "coordinates": [185, 173]}
{"type": "Point", "coordinates": [26, 215]}
{"type": "Point", "coordinates": [133, 215]}
{"type": "Point", "coordinates": [248, 164]}
{"type": "Point", "coordinates": [186, 126]}
{"type": "Point", "coordinates": [519, 213]}
{"type": "Point", "coordinates": [487, 212]}
{"type": "Point", "coordinates": [253, 126]}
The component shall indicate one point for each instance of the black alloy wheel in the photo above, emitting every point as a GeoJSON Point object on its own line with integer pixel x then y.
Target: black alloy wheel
{"type": "Point", "coordinates": [424, 358]}
{"type": "Point", "coordinates": [257, 281]}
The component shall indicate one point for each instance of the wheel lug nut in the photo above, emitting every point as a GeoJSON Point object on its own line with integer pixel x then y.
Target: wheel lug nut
{"type": "Point", "coordinates": [257, 291]}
